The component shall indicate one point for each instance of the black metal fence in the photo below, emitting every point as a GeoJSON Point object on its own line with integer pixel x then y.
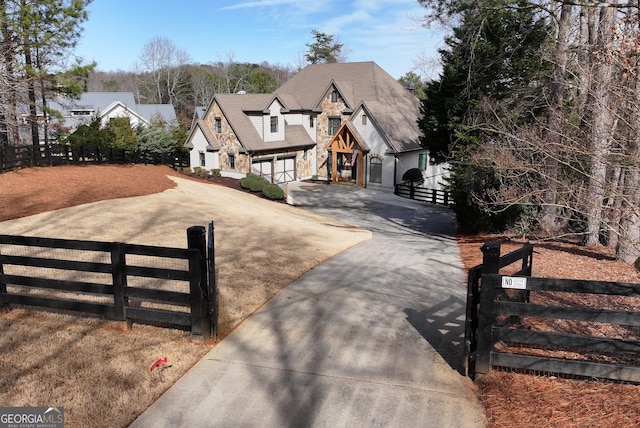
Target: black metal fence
{"type": "Point", "coordinates": [163, 286]}
{"type": "Point", "coordinates": [12, 158]}
{"type": "Point", "coordinates": [433, 196]}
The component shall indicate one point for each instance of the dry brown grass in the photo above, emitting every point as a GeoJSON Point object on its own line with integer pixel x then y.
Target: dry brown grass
{"type": "Point", "coordinates": [97, 370]}
{"type": "Point", "coordinates": [514, 400]}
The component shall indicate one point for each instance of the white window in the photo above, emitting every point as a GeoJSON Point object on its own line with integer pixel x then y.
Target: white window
{"type": "Point", "coordinates": [218, 125]}
{"type": "Point", "coordinates": [274, 124]}
{"type": "Point", "coordinates": [232, 161]}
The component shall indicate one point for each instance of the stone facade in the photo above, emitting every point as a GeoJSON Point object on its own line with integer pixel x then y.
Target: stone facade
{"type": "Point", "coordinates": [228, 142]}
{"type": "Point", "coordinates": [330, 109]}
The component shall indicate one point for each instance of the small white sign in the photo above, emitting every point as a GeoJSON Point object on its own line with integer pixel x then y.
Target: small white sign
{"type": "Point", "coordinates": [514, 282]}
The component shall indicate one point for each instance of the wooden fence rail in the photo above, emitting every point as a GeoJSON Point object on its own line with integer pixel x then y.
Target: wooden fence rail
{"type": "Point", "coordinates": [506, 328]}
{"type": "Point", "coordinates": [617, 350]}
{"type": "Point", "coordinates": [13, 158]}
{"type": "Point", "coordinates": [96, 278]}
{"type": "Point", "coordinates": [433, 196]}
{"type": "Point", "coordinates": [492, 262]}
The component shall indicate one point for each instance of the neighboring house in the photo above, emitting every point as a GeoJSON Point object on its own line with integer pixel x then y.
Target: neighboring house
{"type": "Point", "coordinates": [106, 106]}
{"type": "Point", "coordinates": [346, 122]}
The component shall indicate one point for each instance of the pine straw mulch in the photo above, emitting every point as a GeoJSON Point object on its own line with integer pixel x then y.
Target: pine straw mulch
{"type": "Point", "coordinates": [526, 400]}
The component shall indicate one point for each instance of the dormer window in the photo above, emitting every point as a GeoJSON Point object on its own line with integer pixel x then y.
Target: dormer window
{"type": "Point", "coordinates": [274, 124]}
{"type": "Point", "coordinates": [310, 121]}
{"type": "Point", "coordinates": [364, 120]}
{"type": "Point", "coordinates": [334, 96]}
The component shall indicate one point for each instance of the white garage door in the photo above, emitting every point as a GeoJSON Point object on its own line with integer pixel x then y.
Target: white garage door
{"type": "Point", "coordinates": [285, 170]}
{"type": "Point", "coordinates": [262, 168]}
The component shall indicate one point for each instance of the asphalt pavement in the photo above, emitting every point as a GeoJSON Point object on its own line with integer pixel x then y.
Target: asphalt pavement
{"type": "Point", "coordinates": [370, 338]}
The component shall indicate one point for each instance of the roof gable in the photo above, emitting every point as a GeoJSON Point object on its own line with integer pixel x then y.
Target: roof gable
{"type": "Point", "coordinates": [201, 127]}
{"type": "Point", "coordinates": [395, 110]}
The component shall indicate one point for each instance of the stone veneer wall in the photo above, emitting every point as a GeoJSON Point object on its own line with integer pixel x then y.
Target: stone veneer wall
{"type": "Point", "coordinates": [228, 142]}
{"type": "Point", "coordinates": [329, 109]}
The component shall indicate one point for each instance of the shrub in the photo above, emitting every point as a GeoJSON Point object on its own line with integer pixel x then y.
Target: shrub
{"type": "Point", "coordinates": [257, 184]}
{"type": "Point", "coordinates": [187, 170]}
{"type": "Point", "coordinates": [216, 172]}
{"type": "Point", "coordinates": [273, 192]}
{"type": "Point", "coordinates": [245, 182]}
{"type": "Point", "coordinates": [197, 170]}
{"type": "Point", "coordinates": [314, 177]}
{"type": "Point", "coordinates": [413, 177]}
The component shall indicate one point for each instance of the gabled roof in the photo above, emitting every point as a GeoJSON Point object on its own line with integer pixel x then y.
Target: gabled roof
{"type": "Point", "coordinates": [118, 104]}
{"type": "Point", "coordinates": [235, 108]}
{"type": "Point", "coordinates": [399, 131]}
{"type": "Point", "coordinates": [201, 126]}
{"type": "Point", "coordinates": [395, 110]}
{"type": "Point", "coordinates": [357, 138]}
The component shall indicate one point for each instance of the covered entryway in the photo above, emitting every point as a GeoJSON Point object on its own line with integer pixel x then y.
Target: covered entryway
{"type": "Point", "coordinates": [347, 156]}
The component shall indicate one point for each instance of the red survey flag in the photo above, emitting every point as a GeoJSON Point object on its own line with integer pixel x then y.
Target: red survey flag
{"type": "Point", "coordinates": [158, 363]}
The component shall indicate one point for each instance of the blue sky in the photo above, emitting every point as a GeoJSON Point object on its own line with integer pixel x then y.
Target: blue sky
{"type": "Point", "coordinates": [385, 31]}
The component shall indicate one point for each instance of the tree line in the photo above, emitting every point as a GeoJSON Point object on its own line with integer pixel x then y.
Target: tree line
{"type": "Point", "coordinates": [165, 74]}
{"type": "Point", "coordinates": [37, 39]}
{"type": "Point", "coordinates": [536, 110]}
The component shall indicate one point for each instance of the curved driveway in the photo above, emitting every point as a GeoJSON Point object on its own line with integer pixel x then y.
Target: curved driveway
{"type": "Point", "coordinates": [370, 338]}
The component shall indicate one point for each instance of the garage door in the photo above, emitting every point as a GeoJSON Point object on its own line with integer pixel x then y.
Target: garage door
{"type": "Point", "coordinates": [285, 170]}
{"type": "Point", "coordinates": [263, 168]}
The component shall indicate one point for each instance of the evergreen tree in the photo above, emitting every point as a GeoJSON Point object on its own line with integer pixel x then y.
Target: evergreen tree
{"type": "Point", "coordinates": [324, 49]}
{"type": "Point", "coordinates": [493, 70]}
{"type": "Point", "coordinates": [45, 32]}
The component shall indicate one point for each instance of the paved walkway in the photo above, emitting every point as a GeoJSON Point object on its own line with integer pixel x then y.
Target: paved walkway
{"type": "Point", "coordinates": [370, 338]}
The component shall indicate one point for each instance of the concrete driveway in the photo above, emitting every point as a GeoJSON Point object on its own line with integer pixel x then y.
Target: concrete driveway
{"type": "Point", "coordinates": [372, 337]}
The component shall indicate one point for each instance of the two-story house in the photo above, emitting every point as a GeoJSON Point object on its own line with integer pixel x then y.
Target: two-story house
{"type": "Point", "coordinates": [346, 122]}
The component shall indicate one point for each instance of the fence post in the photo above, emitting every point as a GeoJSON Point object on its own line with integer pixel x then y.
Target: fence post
{"type": "Point", "coordinates": [200, 317]}
{"type": "Point", "coordinates": [3, 290]}
{"type": "Point", "coordinates": [213, 281]}
{"type": "Point", "coordinates": [119, 280]}
{"type": "Point", "coordinates": [490, 265]}
{"type": "Point", "coordinates": [446, 197]}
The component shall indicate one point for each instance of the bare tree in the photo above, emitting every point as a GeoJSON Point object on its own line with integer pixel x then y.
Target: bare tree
{"type": "Point", "coordinates": [161, 64]}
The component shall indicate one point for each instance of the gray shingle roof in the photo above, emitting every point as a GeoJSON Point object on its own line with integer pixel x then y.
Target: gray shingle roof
{"type": "Point", "coordinates": [395, 109]}
{"type": "Point", "coordinates": [235, 106]}
{"type": "Point", "coordinates": [392, 108]}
